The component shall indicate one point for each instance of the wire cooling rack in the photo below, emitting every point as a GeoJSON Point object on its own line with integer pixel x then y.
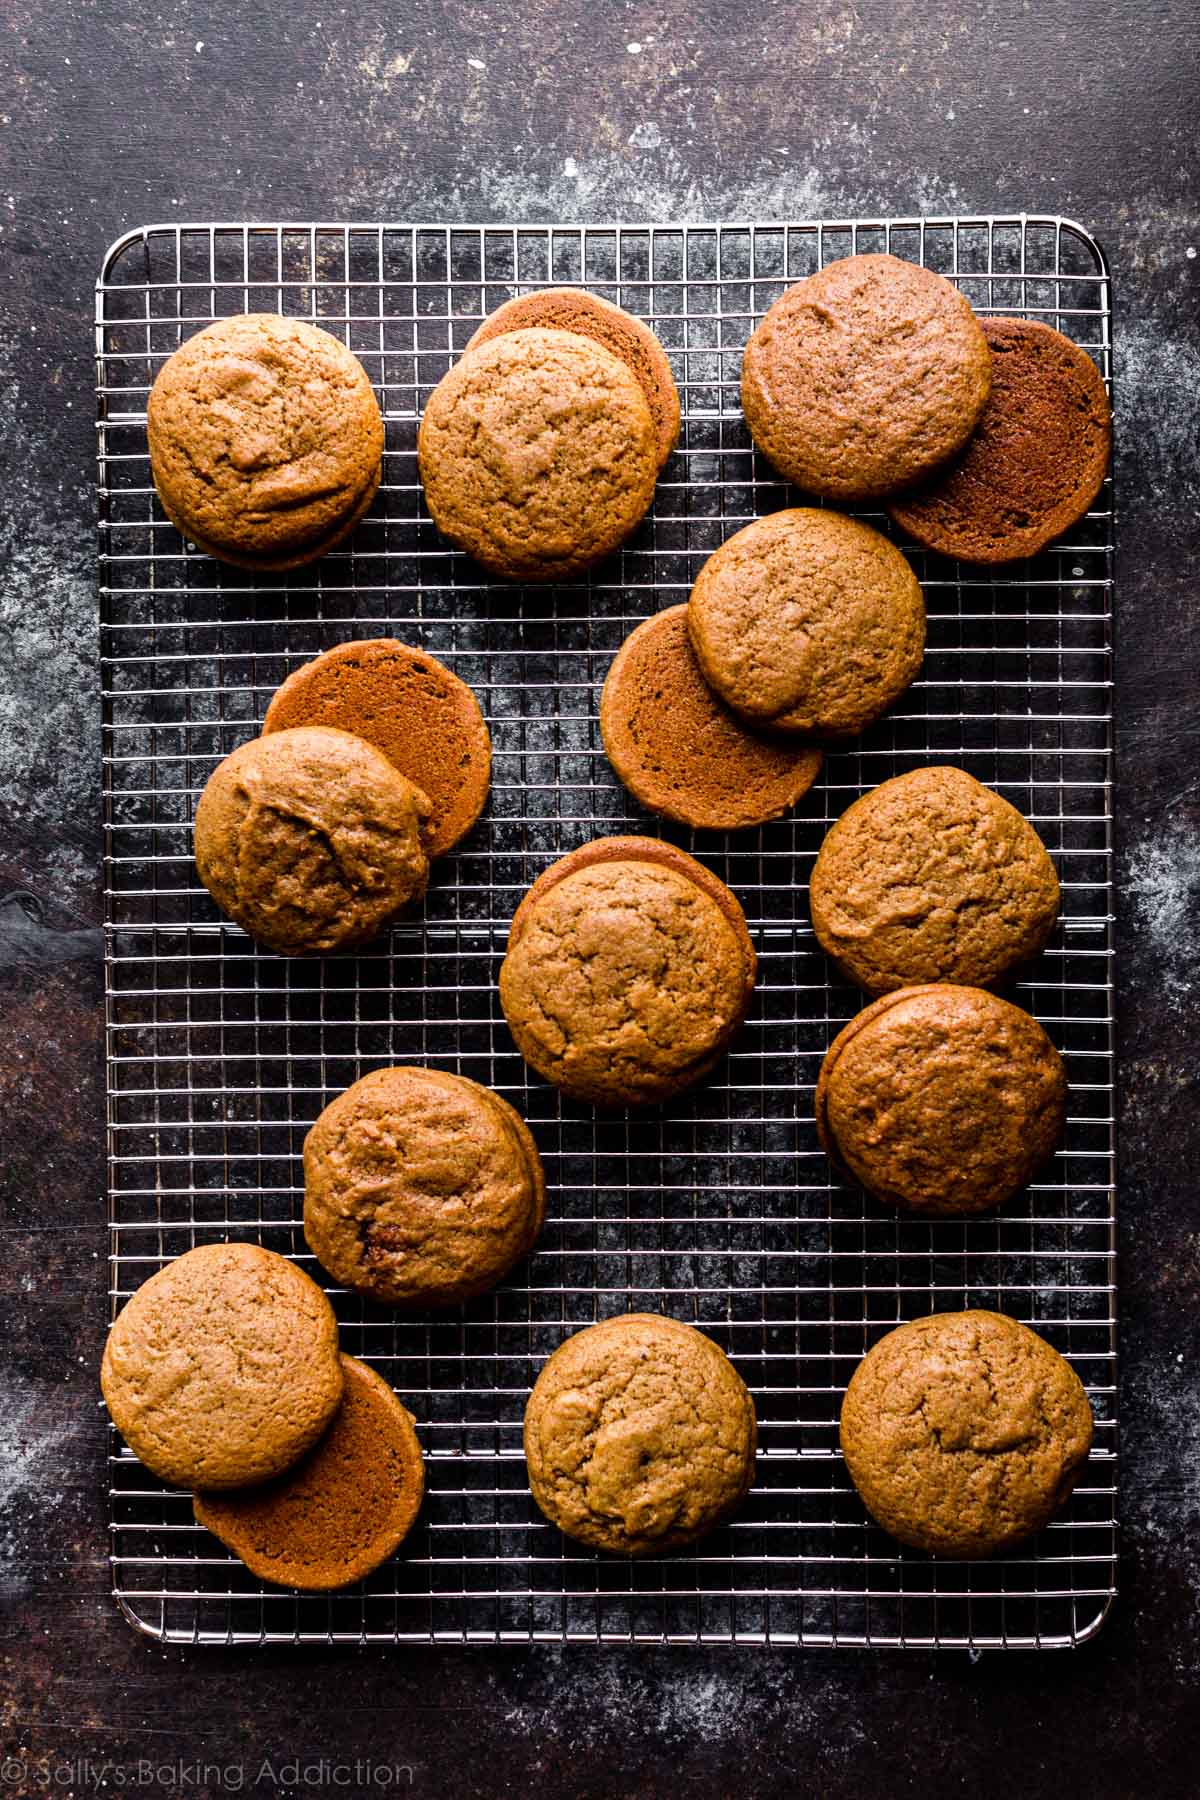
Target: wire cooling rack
{"type": "Point", "coordinates": [719, 1208]}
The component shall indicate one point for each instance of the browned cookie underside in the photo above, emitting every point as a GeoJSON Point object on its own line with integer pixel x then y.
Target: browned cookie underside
{"type": "Point", "coordinates": [340, 1512]}
{"type": "Point", "coordinates": [639, 1435]}
{"type": "Point", "coordinates": [964, 1432]}
{"type": "Point", "coordinates": [408, 705]}
{"type": "Point", "coordinates": [942, 1100]}
{"type": "Point", "coordinates": [1037, 459]}
{"type": "Point", "coordinates": [679, 750]}
{"type": "Point", "coordinates": [421, 1187]}
{"type": "Point", "coordinates": [864, 377]}
{"type": "Point", "coordinates": [311, 840]}
{"type": "Point", "coordinates": [570, 309]}
{"type": "Point", "coordinates": [932, 877]}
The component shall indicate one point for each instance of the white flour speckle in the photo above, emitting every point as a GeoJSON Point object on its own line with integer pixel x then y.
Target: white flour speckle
{"type": "Point", "coordinates": [622, 185]}
{"type": "Point", "coordinates": [634, 49]}
{"type": "Point", "coordinates": [1157, 391]}
{"type": "Point", "coordinates": [1164, 886]}
{"type": "Point", "coordinates": [1191, 252]}
{"type": "Point", "coordinates": [473, 62]}
{"type": "Point", "coordinates": [24, 1456]}
{"type": "Point", "coordinates": [646, 136]}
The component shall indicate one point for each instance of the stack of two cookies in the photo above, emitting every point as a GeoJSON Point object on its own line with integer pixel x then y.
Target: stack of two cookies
{"type": "Point", "coordinates": [223, 1374]}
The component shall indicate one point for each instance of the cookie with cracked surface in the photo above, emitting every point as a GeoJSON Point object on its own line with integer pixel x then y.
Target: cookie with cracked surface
{"type": "Point", "coordinates": [1036, 461]}
{"type": "Point", "coordinates": [639, 1436]}
{"type": "Point", "coordinates": [572, 309]}
{"type": "Point", "coordinates": [538, 454]}
{"type": "Point", "coordinates": [806, 621]}
{"type": "Point", "coordinates": [421, 1188]}
{"type": "Point", "coordinates": [343, 1509]}
{"type": "Point", "coordinates": [222, 1369]}
{"type": "Point", "coordinates": [964, 1432]}
{"type": "Point", "coordinates": [310, 840]}
{"type": "Point", "coordinates": [932, 877]}
{"type": "Point", "coordinates": [408, 705]}
{"type": "Point", "coordinates": [679, 749]}
{"type": "Point", "coordinates": [863, 378]}
{"type": "Point", "coordinates": [266, 440]}
{"type": "Point", "coordinates": [941, 1100]}
{"type": "Point", "coordinates": [628, 970]}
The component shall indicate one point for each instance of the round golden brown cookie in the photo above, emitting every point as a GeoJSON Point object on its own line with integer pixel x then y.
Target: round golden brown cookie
{"type": "Point", "coordinates": [679, 750]}
{"type": "Point", "coordinates": [538, 454]}
{"type": "Point", "coordinates": [310, 840]}
{"type": "Point", "coordinates": [1037, 459]}
{"type": "Point", "coordinates": [222, 1369]}
{"type": "Point", "coordinates": [266, 440]}
{"type": "Point", "coordinates": [864, 377]}
{"type": "Point", "coordinates": [964, 1432]}
{"type": "Point", "coordinates": [941, 1100]}
{"type": "Point", "coordinates": [421, 1188]}
{"type": "Point", "coordinates": [629, 968]}
{"type": "Point", "coordinates": [571, 309]}
{"type": "Point", "coordinates": [404, 702]}
{"type": "Point", "coordinates": [340, 1512]}
{"type": "Point", "coordinates": [639, 1435]}
{"type": "Point", "coordinates": [808, 621]}
{"type": "Point", "coordinates": [932, 877]}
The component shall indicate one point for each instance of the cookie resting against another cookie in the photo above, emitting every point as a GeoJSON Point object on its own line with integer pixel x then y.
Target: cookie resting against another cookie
{"type": "Point", "coordinates": [310, 840]}
{"type": "Point", "coordinates": [341, 1511]}
{"type": "Point", "coordinates": [421, 1188]}
{"type": "Point", "coordinates": [964, 1432]}
{"type": "Point", "coordinates": [941, 1100]}
{"type": "Point", "coordinates": [222, 1369]}
{"type": "Point", "coordinates": [932, 877]}
{"type": "Point", "coordinates": [628, 970]}
{"type": "Point", "coordinates": [639, 1436]}
{"type": "Point", "coordinates": [679, 749]}
{"type": "Point", "coordinates": [538, 454]}
{"type": "Point", "coordinates": [865, 377]}
{"type": "Point", "coordinates": [406, 704]}
{"type": "Point", "coordinates": [573, 309]}
{"type": "Point", "coordinates": [806, 621]}
{"type": "Point", "coordinates": [1037, 458]}
{"type": "Point", "coordinates": [266, 440]}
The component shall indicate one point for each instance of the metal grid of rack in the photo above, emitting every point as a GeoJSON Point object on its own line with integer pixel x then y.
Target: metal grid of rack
{"type": "Point", "coordinates": [719, 1208]}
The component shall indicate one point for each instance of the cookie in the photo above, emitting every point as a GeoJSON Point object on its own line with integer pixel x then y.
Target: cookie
{"type": "Point", "coordinates": [807, 621]}
{"type": "Point", "coordinates": [266, 440]}
{"type": "Point", "coordinates": [403, 701]}
{"type": "Point", "coordinates": [222, 1369]}
{"type": "Point", "coordinates": [340, 1512]}
{"type": "Point", "coordinates": [932, 877]}
{"type": "Point", "coordinates": [679, 750]}
{"type": "Point", "coordinates": [310, 840]}
{"type": "Point", "coordinates": [639, 1436]}
{"type": "Point", "coordinates": [864, 377]}
{"type": "Point", "coordinates": [964, 1432]}
{"type": "Point", "coordinates": [538, 453]}
{"type": "Point", "coordinates": [629, 968]}
{"type": "Point", "coordinates": [570, 309]}
{"type": "Point", "coordinates": [1037, 459]}
{"type": "Point", "coordinates": [941, 1100]}
{"type": "Point", "coordinates": [421, 1188]}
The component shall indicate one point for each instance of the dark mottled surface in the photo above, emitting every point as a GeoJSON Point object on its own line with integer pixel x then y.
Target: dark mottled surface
{"type": "Point", "coordinates": [113, 114]}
